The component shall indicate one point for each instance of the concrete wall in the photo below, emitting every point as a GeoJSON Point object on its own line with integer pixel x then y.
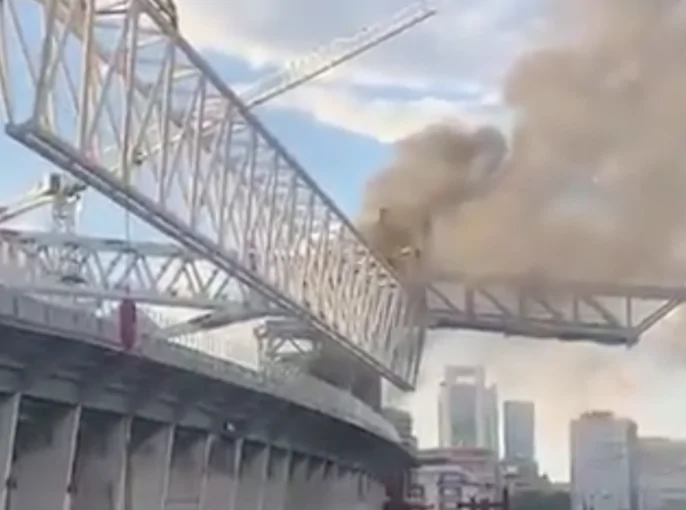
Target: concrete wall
{"type": "Point", "coordinates": [70, 458]}
{"type": "Point", "coordinates": [85, 426]}
{"type": "Point", "coordinates": [24, 312]}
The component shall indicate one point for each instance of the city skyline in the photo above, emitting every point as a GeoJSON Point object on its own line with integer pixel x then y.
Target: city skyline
{"type": "Point", "coordinates": [614, 466]}
{"type": "Point", "coordinates": [563, 381]}
{"type": "Point", "coordinates": [471, 415]}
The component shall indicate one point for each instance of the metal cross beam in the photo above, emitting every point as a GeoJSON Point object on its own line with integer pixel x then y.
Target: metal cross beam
{"type": "Point", "coordinates": [117, 98]}
{"type": "Point", "coordinates": [332, 55]}
{"type": "Point", "coordinates": [168, 275]}
{"type": "Point", "coordinates": [610, 313]}
{"type": "Point", "coordinates": [111, 269]}
{"type": "Point", "coordinates": [65, 197]}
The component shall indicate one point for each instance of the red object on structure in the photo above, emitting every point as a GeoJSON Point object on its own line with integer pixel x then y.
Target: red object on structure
{"type": "Point", "coordinates": [127, 323]}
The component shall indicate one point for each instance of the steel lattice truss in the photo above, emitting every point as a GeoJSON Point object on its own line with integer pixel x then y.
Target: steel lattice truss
{"type": "Point", "coordinates": [118, 99]}
{"type": "Point", "coordinates": [610, 313]}
{"type": "Point", "coordinates": [341, 50]}
{"type": "Point", "coordinates": [164, 274]}
{"type": "Point", "coordinates": [111, 269]}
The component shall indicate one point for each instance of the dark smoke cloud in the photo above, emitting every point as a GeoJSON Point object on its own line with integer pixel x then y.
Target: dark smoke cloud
{"type": "Point", "coordinates": [592, 189]}
{"type": "Point", "coordinates": [435, 171]}
{"type": "Point", "coordinates": [593, 184]}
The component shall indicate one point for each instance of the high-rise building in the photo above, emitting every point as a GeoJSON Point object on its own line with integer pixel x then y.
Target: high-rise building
{"type": "Point", "coordinates": [519, 431]}
{"type": "Point", "coordinates": [662, 474]}
{"type": "Point", "coordinates": [467, 410]}
{"type": "Point", "coordinates": [604, 451]}
{"type": "Point", "coordinates": [490, 410]}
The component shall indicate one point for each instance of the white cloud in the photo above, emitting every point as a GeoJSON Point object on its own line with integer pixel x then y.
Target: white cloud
{"type": "Point", "coordinates": [466, 41]}
{"type": "Point", "coordinates": [383, 119]}
{"type": "Point", "coordinates": [462, 52]}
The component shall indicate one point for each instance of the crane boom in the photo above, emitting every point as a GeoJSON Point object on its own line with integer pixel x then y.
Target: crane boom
{"type": "Point", "coordinates": [332, 55]}
{"type": "Point", "coordinates": [296, 73]}
{"type": "Point", "coordinates": [158, 274]}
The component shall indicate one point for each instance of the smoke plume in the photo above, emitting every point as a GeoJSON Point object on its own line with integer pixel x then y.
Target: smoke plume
{"type": "Point", "coordinates": [592, 185]}
{"type": "Point", "coordinates": [591, 188]}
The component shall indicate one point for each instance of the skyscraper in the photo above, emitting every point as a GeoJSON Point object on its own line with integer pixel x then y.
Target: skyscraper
{"type": "Point", "coordinates": [604, 463]}
{"type": "Point", "coordinates": [519, 431]}
{"type": "Point", "coordinates": [491, 423]}
{"type": "Point", "coordinates": [467, 410]}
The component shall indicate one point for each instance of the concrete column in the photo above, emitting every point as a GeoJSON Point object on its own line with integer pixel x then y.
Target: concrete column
{"type": "Point", "coordinates": [207, 444]}
{"type": "Point", "coordinates": [43, 469]}
{"type": "Point", "coordinates": [252, 476]}
{"type": "Point", "coordinates": [378, 495]}
{"type": "Point", "coordinates": [188, 477]}
{"type": "Point", "coordinates": [318, 494]}
{"type": "Point", "coordinates": [331, 488]}
{"type": "Point", "coordinates": [361, 491]}
{"type": "Point", "coordinates": [276, 486]}
{"type": "Point", "coordinates": [351, 482]}
{"type": "Point", "coordinates": [363, 484]}
{"type": "Point", "coordinates": [148, 470]}
{"type": "Point", "coordinates": [372, 494]}
{"type": "Point", "coordinates": [351, 487]}
{"type": "Point", "coordinates": [297, 479]}
{"type": "Point", "coordinates": [100, 472]}
{"type": "Point", "coordinates": [369, 496]}
{"type": "Point", "coordinates": [337, 488]}
{"type": "Point", "coordinates": [306, 490]}
{"type": "Point", "coordinates": [222, 476]}
{"type": "Point", "coordinates": [9, 416]}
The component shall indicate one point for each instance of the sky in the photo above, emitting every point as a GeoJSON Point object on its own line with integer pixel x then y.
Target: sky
{"type": "Point", "coordinates": [341, 128]}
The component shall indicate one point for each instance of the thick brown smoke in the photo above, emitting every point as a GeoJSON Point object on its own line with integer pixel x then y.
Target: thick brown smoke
{"type": "Point", "coordinates": [593, 183]}
{"type": "Point", "coordinates": [593, 189]}
{"type": "Point", "coordinates": [436, 171]}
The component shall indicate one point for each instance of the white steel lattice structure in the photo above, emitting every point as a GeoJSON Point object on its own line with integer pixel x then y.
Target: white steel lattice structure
{"type": "Point", "coordinates": [609, 313]}
{"type": "Point", "coordinates": [65, 196]}
{"type": "Point", "coordinates": [334, 54]}
{"type": "Point", "coordinates": [167, 275]}
{"type": "Point", "coordinates": [112, 269]}
{"type": "Point", "coordinates": [113, 95]}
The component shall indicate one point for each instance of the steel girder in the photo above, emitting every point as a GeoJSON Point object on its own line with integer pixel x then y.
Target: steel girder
{"type": "Point", "coordinates": [332, 55]}
{"type": "Point", "coordinates": [168, 275]}
{"type": "Point", "coordinates": [120, 100]}
{"type": "Point", "coordinates": [609, 313]}
{"type": "Point", "coordinates": [112, 269]}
